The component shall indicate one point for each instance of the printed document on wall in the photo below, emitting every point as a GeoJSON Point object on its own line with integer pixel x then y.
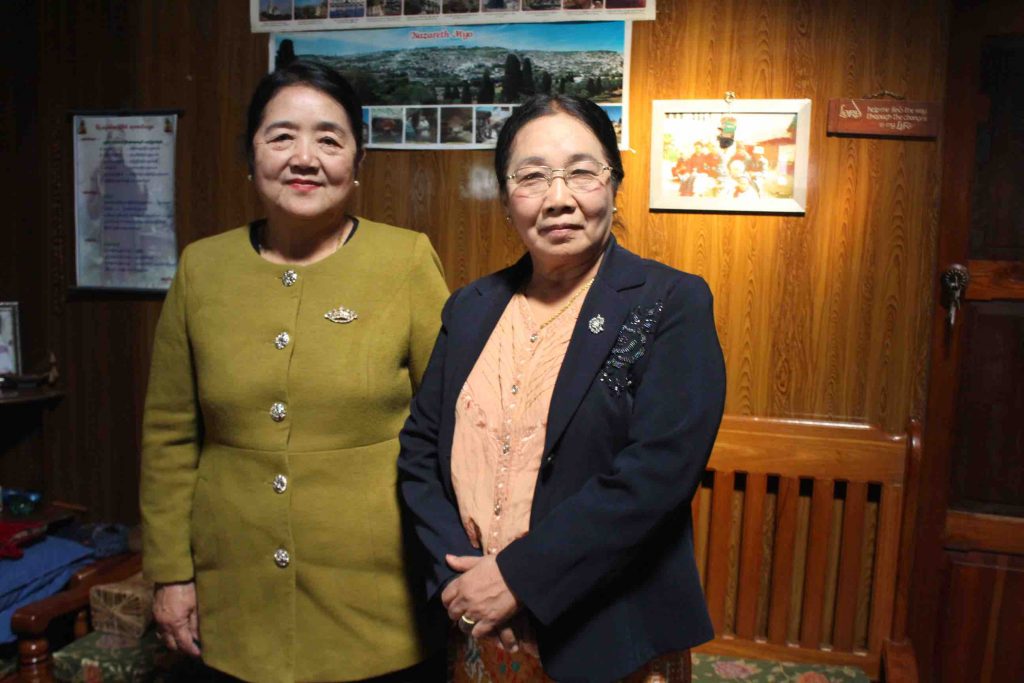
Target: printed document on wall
{"type": "Point", "coordinates": [124, 201]}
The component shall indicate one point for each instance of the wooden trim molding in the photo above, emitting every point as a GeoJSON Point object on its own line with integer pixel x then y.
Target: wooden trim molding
{"type": "Point", "coordinates": [985, 533]}
{"type": "Point", "coordinates": [828, 450]}
{"type": "Point", "coordinates": [995, 280]}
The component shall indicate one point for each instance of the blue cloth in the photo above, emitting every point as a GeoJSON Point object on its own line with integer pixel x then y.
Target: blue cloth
{"type": "Point", "coordinates": [105, 539]}
{"type": "Point", "coordinates": [44, 570]}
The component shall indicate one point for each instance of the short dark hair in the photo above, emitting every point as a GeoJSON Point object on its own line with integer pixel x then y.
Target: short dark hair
{"type": "Point", "coordinates": [309, 73]}
{"type": "Point", "coordinates": [580, 108]}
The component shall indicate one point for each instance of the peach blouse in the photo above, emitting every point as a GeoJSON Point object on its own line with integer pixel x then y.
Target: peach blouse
{"type": "Point", "coordinates": [501, 421]}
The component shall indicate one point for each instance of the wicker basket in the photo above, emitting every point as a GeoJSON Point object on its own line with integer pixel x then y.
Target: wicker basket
{"type": "Point", "coordinates": [124, 608]}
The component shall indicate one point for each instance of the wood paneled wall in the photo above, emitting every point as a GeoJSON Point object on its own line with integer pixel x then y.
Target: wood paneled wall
{"type": "Point", "coordinates": [821, 316]}
{"type": "Point", "coordinates": [981, 628]}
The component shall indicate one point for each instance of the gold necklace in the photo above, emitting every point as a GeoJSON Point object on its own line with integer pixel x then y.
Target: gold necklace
{"type": "Point", "coordinates": [567, 305]}
{"type": "Point", "coordinates": [516, 374]}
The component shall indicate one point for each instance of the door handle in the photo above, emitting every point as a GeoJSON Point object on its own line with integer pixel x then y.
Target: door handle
{"type": "Point", "coordinates": [954, 283]}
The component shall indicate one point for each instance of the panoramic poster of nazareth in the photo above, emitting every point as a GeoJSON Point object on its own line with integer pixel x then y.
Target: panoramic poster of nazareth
{"type": "Point", "coordinates": [453, 87]}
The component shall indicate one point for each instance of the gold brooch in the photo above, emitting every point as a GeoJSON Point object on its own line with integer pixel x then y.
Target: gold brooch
{"type": "Point", "coordinates": [341, 315]}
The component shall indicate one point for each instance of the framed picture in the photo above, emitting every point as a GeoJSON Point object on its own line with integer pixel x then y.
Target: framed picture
{"type": "Point", "coordinates": [746, 156]}
{"type": "Point", "coordinates": [10, 348]}
{"type": "Point", "coordinates": [124, 200]}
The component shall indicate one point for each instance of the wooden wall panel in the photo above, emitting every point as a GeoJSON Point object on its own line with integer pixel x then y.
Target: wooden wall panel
{"type": "Point", "coordinates": [820, 316]}
{"type": "Point", "coordinates": [111, 54]}
{"type": "Point", "coordinates": [983, 620]}
{"type": "Point", "coordinates": [22, 440]}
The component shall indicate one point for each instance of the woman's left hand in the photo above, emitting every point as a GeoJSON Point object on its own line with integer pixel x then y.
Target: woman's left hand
{"type": "Point", "coordinates": [480, 594]}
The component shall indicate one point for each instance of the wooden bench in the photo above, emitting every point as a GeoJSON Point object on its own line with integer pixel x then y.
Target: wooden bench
{"type": "Point", "coordinates": [799, 539]}
{"type": "Point", "coordinates": [36, 624]}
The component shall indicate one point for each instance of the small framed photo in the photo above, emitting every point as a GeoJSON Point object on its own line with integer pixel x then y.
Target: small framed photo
{"type": "Point", "coordinates": [10, 348]}
{"type": "Point", "coordinates": [746, 156]}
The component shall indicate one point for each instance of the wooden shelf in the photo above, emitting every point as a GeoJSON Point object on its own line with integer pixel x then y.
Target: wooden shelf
{"type": "Point", "coordinates": [52, 514]}
{"type": "Point", "coordinates": [13, 397]}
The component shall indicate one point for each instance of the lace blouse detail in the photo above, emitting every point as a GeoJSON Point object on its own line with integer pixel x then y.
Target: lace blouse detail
{"type": "Point", "coordinates": [501, 423]}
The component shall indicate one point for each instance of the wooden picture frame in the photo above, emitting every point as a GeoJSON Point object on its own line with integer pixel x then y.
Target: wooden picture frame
{"type": "Point", "coordinates": [10, 339]}
{"type": "Point", "coordinates": [747, 156]}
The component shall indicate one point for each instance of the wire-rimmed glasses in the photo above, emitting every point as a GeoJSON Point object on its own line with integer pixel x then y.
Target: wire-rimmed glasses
{"type": "Point", "coordinates": [582, 176]}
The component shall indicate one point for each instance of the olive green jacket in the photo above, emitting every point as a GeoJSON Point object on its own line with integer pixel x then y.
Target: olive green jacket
{"type": "Point", "coordinates": [289, 523]}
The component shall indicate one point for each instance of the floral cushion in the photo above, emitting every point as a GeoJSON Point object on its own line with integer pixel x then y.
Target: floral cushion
{"type": "Point", "coordinates": [7, 666]}
{"type": "Point", "coordinates": [718, 668]}
{"type": "Point", "coordinates": [102, 658]}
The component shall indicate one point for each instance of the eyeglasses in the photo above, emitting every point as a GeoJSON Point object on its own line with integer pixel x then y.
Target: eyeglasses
{"type": "Point", "coordinates": [583, 176]}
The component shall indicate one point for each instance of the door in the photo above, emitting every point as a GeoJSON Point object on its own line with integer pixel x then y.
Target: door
{"type": "Point", "coordinates": [966, 616]}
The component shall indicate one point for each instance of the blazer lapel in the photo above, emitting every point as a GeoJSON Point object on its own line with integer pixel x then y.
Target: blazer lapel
{"type": "Point", "coordinates": [469, 335]}
{"type": "Point", "coordinates": [486, 315]}
{"type": "Point", "coordinates": [588, 350]}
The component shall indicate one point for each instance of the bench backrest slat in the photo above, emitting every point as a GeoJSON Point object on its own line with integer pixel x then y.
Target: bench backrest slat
{"type": "Point", "coordinates": [797, 529]}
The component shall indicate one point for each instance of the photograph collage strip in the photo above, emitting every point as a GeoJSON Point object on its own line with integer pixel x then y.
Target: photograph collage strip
{"type": "Point", "coordinates": [306, 15]}
{"type": "Point", "coordinates": [447, 126]}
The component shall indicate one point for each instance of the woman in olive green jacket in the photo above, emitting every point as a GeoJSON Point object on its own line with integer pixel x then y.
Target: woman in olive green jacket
{"type": "Point", "coordinates": [284, 361]}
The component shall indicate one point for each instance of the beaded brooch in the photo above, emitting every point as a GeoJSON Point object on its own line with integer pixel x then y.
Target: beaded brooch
{"type": "Point", "coordinates": [630, 346]}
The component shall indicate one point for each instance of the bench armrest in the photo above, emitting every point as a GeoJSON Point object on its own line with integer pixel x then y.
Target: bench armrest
{"type": "Point", "coordinates": [32, 620]}
{"type": "Point", "coordinates": [899, 665]}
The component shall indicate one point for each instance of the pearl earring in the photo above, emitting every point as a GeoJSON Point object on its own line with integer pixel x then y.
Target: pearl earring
{"type": "Point", "coordinates": [356, 183]}
{"type": "Point", "coordinates": [249, 177]}
{"type": "Point", "coordinates": [615, 209]}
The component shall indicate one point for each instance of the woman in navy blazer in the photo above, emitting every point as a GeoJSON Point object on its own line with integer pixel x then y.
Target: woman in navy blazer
{"type": "Point", "coordinates": [606, 573]}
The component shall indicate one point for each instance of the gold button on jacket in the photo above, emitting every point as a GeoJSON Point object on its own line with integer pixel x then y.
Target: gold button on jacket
{"type": "Point", "coordinates": [340, 608]}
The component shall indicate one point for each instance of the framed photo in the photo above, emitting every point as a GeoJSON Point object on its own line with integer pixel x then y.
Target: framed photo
{"type": "Point", "coordinates": [10, 348]}
{"type": "Point", "coordinates": [746, 156]}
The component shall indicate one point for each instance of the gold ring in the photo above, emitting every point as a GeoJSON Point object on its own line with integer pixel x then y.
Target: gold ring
{"type": "Point", "coordinates": [467, 621]}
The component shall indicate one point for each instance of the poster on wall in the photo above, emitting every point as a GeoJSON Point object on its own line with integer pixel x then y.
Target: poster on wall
{"type": "Point", "coordinates": [124, 200]}
{"type": "Point", "coordinates": [719, 156]}
{"type": "Point", "coordinates": [271, 16]}
{"type": "Point", "coordinates": [454, 87]}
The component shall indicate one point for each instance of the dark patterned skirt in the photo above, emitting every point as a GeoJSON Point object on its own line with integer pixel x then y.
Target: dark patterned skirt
{"type": "Point", "coordinates": [483, 661]}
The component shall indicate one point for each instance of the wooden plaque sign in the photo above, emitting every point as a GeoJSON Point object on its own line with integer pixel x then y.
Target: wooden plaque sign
{"type": "Point", "coordinates": [888, 118]}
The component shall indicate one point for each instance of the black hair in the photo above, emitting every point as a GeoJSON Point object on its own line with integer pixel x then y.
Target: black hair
{"type": "Point", "coordinates": [585, 111]}
{"type": "Point", "coordinates": [309, 73]}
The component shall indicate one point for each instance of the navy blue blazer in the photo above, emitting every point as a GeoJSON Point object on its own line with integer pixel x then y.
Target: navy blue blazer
{"type": "Point", "coordinates": [607, 570]}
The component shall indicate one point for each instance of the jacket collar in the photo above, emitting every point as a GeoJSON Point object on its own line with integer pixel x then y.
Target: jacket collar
{"type": "Point", "coordinates": [620, 270]}
{"type": "Point", "coordinates": [603, 312]}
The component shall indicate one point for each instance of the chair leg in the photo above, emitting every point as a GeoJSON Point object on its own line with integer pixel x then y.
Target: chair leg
{"type": "Point", "coordinates": [81, 628]}
{"type": "Point", "coordinates": [35, 665]}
